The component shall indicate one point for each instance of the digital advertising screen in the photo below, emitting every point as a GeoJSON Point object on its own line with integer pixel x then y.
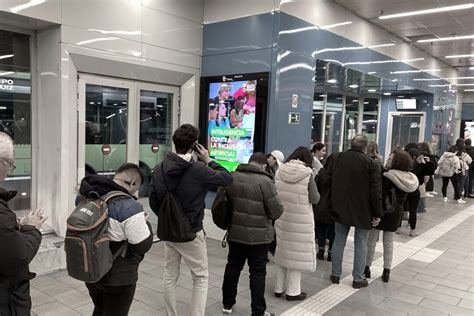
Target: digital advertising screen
{"type": "Point", "coordinates": [232, 110]}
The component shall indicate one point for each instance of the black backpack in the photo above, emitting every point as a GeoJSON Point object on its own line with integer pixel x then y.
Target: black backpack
{"type": "Point", "coordinates": [389, 198]}
{"type": "Point", "coordinates": [222, 210]}
{"type": "Point", "coordinates": [172, 223]}
{"type": "Point", "coordinates": [88, 255]}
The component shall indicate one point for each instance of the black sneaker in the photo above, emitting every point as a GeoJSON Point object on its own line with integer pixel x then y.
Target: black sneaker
{"type": "Point", "coordinates": [367, 272]}
{"type": "Point", "coordinates": [334, 279]}
{"type": "Point", "coordinates": [278, 294]}
{"type": "Point", "coordinates": [329, 256]}
{"type": "Point", "coordinates": [299, 297]}
{"type": "Point", "coordinates": [320, 254]}
{"type": "Point", "coordinates": [360, 284]}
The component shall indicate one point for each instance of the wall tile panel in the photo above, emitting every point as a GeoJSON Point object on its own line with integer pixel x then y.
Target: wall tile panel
{"type": "Point", "coordinates": [49, 10]}
{"type": "Point", "coordinates": [192, 10]}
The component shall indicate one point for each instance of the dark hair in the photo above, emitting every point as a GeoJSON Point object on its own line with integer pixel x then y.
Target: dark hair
{"type": "Point", "coordinates": [460, 145]}
{"type": "Point", "coordinates": [410, 146]}
{"type": "Point", "coordinates": [468, 142]}
{"type": "Point", "coordinates": [212, 107]}
{"type": "Point", "coordinates": [414, 152]}
{"type": "Point", "coordinates": [258, 158]}
{"type": "Point", "coordinates": [359, 141]}
{"type": "Point", "coordinates": [425, 148]}
{"type": "Point", "coordinates": [373, 149]}
{"type": "Point", "coordinates": [302, 154]}
{"type": "Point", "coordinates": [401, 161]}
{"type": "Point", "coordinates": [453, 149]}
{"type": "Point", "coordinates": [318, 147]}
{"type": "Point", "coordinates": [184, 138]}
{"type": "Point", "coordinates": [131, 166]}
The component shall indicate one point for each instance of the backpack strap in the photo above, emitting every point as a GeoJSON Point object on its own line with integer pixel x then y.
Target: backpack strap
{"type": "Point", "coordinates": [112, 194]}
{"type": "Point", "coordinates": [122, 251]}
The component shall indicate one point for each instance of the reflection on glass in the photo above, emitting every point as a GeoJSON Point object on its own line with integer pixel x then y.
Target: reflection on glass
{"type": "Point", "coordinates": [351, 120]}
{"type": "Point", "coordinates": [369, 119]}
{"type": "Point", "coordinates": [15, 112]}
{"type": "Point", "coordinates": [318, 110]}
{"type": "Point", "coordinates": [332, 129]}
{"type": "Point", "coordinates": [155, 132]}
{"type": "Point", "coordinates": [405, 129]}
{"type": "Point", "coordinates": [106, 128]}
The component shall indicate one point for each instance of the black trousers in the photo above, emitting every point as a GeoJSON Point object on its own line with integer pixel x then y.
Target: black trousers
{"type": "Point", "coordinates": [411, 206]}
{"type": "Point", "coordinates": [257, 257]}
{"type": "Point", "coordinates": [455, 182]}
{"type": "Point", "coordinates": [111, 300]}
{"type": "Point", "coordinates": [325, 231]}
{"type": "Point", "coordinates": [471, 179]}
{"type": "Point", "coordinates": [15, 301]}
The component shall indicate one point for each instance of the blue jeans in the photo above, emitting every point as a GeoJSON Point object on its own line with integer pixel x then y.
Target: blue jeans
{"type": "Point", "coordinates": [360, 251]}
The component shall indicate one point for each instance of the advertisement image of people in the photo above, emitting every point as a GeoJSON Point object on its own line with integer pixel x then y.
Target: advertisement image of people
{"type": "Point", "coordinates": [231, 125]}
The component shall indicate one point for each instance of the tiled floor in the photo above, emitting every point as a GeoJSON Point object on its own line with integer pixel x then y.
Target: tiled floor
{"type": "Point", "coordinates": [433, 274]}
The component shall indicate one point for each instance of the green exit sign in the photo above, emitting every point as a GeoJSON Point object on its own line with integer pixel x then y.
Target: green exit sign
{"type": "Point", "coordinates": [293, 118]}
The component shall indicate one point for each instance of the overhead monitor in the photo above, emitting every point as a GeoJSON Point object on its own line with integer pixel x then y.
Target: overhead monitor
{"type": "Point", "coordinates": [233, 115]}
{"type": "Point", "coordinates": [406, 104]}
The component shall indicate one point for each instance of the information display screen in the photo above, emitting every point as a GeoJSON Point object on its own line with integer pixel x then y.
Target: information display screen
{"type": "Point", "coordinates": [232, 110]}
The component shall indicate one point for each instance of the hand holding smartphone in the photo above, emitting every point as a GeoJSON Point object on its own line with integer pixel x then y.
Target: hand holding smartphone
{"type": "Point", "coordinates": [201, 153]}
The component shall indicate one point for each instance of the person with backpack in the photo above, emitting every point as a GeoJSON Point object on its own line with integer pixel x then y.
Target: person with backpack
{"type": "Point", "coordinates": [20, 240]}
{"type": "Point", "coordinates": [465, 160]}
{"type": "Point", "coordinates": [254, 202]}
{"type": "Point", "coordinates": [189, 181]}
{"type": "Point", "coordinates": [448, 169]}
{"type": "Point", "coordinates": [396, 184]}
{"type": "Point", "coordinates": [129, 237]}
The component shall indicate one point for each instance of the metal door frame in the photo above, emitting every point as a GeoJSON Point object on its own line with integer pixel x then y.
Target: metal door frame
{"type": "Point", "coordinates": [391, 115]}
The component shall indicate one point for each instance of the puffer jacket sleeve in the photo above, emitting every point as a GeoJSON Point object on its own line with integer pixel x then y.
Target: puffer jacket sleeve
{"type": "Point", "coordinates": [376, 189]}
{"type": "Point", "coordinates": [313, 191]}
{"type": "Point", "coordinates": [272, 203]}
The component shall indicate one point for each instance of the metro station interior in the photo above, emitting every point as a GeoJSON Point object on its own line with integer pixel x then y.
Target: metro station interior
{"type": "Point", "coordinates": [88, 85]}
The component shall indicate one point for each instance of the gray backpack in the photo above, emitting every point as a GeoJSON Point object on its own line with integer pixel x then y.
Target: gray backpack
{"type": "Point", "coordinates": [88, 255]}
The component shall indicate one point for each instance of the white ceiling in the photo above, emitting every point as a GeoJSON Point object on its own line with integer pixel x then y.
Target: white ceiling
{"type": "Point", "coordinates": [412, 28]}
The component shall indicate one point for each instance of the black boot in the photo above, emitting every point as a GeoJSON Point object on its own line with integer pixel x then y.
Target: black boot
{"type": "Point", "coordinates": [320, 254]}
{"type": "Point", "coordinates": [386, 275]}
{"type": "Point", "coordinates": [329, 256]}
{"type": "Point", "coordinates": [367, 272]}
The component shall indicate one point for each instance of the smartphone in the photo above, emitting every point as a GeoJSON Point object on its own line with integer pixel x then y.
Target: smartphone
{"type": "Point", "coordinates": [195, 147]}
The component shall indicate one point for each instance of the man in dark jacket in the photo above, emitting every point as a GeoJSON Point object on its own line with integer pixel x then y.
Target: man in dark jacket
{"type": "Point", "coordinates": [113, 294]}
{"type": "Point", "coordinates": [356, 200]}
{"type": "Point", "coordinates": [20, 240]}
{"type": "Point", "coordinates": [255, 204]}
{"type": "Point", "coordinates": [470, 150]}
{"type": "Point", "coordinates": [190, 180]}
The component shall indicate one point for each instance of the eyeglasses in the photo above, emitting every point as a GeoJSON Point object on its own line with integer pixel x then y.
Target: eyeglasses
{"type": "Point", "coordinates": [10, 164]}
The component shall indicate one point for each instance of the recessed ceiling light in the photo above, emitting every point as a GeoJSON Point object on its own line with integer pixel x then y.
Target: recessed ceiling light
{"type": "Point", "coordinates": [372, 90]}
{"type": "Point", "coordinates": [354, 86]}
{"type": "Point", "coordinates": [465, 84]}
{"type": "Point", "coordinates": [322, 95]}
{"type": "Point", "coordinates": [366, 102]}
{"type": "Point", "coordinates": [6, 56]}
{"type": "Point", "coordinates": [394, 80]}
{"type": "Point", "coordinates": [460, 56]}
{"type": "Point", "coordinates": [372, 72]}
{"type": "Point", "coordinates": [387, 93]}
{"type": "Point", "coordinates": [471, 68]}
{"type": "Point", "coordinates": [91, 102]}
{"type": "Point", "coordinates": [450, 38]}
{"type": "Point", "coordinates": [353, 101]}
{"type": "Point", "coordinates": [332, 81]}
{"type": "Point", "coordinates": [428, 11]}
{"type": "Point", "coordinates": [468, 90]}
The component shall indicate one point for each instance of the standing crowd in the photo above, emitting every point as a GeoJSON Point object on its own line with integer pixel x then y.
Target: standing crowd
{"type": "Point", "coordinates": [300, 210]}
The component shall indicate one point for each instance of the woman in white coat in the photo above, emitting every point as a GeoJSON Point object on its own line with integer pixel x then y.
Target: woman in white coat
{"type": "Point", "coordinates": [296, 248]}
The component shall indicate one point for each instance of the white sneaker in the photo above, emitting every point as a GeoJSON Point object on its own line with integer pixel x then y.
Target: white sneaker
{"type": "Point", "coordinates": [429, 195]}
{"type": "Point", "coordinates": [433, 192]}
{"type": "Point", "coordinates": [461, 201]}
{"type": "Point", "coordinates": [227, 311]}
{"type": "Point", "coordinates": [445, 199]}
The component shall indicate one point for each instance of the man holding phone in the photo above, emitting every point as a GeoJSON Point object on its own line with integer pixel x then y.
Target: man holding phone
{"type": "Point", "coordinates": [190, 180]}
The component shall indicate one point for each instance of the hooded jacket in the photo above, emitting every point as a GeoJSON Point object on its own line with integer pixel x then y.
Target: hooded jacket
{"type": "Point", "coordinates": [295, 247]}
{"type": "Point", "coordinates": [18, 246]}
{"type": "Point", "coordinates": [402, 182]}
{"type": "Point", "coordinates": [255, 204]}
{"type": "Point", "coordinates": [190, 180]}
{"type": "Point", "coordinates": [453, 160]}
{"type": "Point", "coordinates": [355, 180]}
{"type": "Point", "coordinates": [127, 223]}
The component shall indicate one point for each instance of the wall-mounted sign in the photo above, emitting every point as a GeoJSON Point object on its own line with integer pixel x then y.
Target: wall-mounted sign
{"type": "Point", "coordinates": [6, 84]}
{"type": "Point", "coordinates": [293, 118]}
{"type": "Point", "coordinates": [294, 101]}
{"type": "Point", "coordinates": [106, 149]}
{"type": "Point", "coordinates": [155, 148]}
{"type": "Point", "coordinates": [406, 104]}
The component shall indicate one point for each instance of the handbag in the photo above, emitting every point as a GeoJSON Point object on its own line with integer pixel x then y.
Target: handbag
{"type": "Point", "coordinates": [173, 224]}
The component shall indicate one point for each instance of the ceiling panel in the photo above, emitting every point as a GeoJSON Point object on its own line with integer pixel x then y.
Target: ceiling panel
{"type": "Point", "coordinates": [442, 24]}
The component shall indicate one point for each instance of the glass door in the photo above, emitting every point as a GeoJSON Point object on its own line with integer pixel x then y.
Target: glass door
{"type": "Point", "coordinates": [370, 118]}
{"type": "Point", "coordinates": [351, 120]}
{"type": "Point", "coordinates": [333, 123]}
{"type": "Point", "coordinates": [404, 128]}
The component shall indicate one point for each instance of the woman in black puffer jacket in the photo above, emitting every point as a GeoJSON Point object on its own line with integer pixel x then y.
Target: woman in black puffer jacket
{"type": "Point", "coordinates": [397, 183]}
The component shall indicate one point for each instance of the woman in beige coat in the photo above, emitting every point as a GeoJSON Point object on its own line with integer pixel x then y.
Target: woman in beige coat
{"type": "Point", "coordinates": [296, 248]}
